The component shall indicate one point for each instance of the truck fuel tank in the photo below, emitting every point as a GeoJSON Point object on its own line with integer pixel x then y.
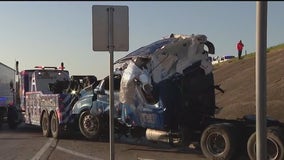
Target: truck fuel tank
{"type": "Point", "coordinates": [157, 135]}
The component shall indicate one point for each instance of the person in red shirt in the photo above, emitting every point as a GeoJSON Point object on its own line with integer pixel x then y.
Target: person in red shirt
{"type": "Point", "coordinates": [240, 46]}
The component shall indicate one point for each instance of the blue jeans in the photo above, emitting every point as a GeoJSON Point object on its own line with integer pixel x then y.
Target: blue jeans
{"type": "Point", "coordinates": [240, 54]}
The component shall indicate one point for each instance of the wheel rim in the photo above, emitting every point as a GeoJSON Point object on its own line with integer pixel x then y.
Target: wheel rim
{"type": "Point", "coordinates": [216, 144]}
{"type": "Point", "coordinates": [272, 149]}
{"type": "Point", "coordinates": [90, 123]}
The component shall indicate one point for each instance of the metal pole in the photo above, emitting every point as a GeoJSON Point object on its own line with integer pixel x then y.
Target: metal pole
{"type": "Point", "coordinates": [261, 38]}
{"type": "Point", "coordinates": [111, 49]}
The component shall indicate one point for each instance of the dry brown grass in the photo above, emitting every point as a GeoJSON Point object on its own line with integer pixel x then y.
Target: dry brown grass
{"type": "Point", "coordinates": [237, 78]}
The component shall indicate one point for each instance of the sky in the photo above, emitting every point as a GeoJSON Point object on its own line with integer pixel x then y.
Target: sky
{"type": "Point", "coordinates": [50, 32]}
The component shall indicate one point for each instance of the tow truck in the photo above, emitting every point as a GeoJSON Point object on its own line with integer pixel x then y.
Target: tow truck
{"type": "Point", "coordinates": [46, 97]}
{"type": "Point", "coordinates": [41, 99]}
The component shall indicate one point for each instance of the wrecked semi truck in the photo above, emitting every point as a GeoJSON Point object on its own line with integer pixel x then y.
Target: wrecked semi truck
{"type": "Point", "coordinates": [7, 79]}
{"type": "Point", "coordinates": [165, 92]}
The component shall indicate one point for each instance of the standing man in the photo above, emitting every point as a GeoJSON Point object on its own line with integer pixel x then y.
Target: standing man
{"type": "Point", "coordinates": [240, 46]}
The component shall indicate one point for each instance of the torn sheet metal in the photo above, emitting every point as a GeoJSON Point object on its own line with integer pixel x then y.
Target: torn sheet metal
{"type": "Point", "coordinates": [130, 76]}
{"type": "Point", "coordinates": [168, 57]}
{"type": "Point", "coordinates": [172, 55]}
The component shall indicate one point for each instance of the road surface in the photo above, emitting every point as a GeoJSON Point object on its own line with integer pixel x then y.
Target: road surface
{"type": "Point", "coordinates": [27, 143]}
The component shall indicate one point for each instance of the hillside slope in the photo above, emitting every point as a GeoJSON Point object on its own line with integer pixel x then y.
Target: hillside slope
{"type": "Point", "coordinates": [237, 78]}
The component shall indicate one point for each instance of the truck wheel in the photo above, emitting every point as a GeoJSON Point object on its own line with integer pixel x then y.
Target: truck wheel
{"type": "Point", "coordinates": [219, 141]}
{"type": "Point", "coordinates": [54, 126]}
{"type": "Point", "coordinates": [275, 144]}
{"type": "Point", "coordinates": [90, 125]}
{"type": "Point", "coordinates": [45, 125]}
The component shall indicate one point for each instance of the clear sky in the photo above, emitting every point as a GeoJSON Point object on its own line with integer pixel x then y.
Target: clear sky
{"type": "Point", "coordinates": [48, 33]}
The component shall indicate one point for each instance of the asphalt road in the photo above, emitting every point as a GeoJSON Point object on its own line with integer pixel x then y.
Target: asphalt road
{"type": "Point", "coordinates": [27, 143]}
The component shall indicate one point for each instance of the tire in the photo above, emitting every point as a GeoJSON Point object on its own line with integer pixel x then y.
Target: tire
{"type": "Point", "coordinates": [54, 126]}
{"type": "Point", "coordinates": [275, 144]}
{"type": "Point", "coordinates": [90, 125]}
{"type": "Point", "coordinates": [219, 141]}
{"type": "Point", "coordinates": [45, 125]}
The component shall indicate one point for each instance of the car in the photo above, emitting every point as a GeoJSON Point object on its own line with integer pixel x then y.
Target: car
{"type": "Point", "coordinates": [226, 57]}
{"type": "Point", "coordinates": [217, 59]}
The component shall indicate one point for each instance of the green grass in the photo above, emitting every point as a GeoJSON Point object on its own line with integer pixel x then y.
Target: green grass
{"type": "Point", "coordinates": [275, 48]}
{"type": "Point", "coordinates": [268, 50]}
{"type": "Point", "coordinates": [252, 55]}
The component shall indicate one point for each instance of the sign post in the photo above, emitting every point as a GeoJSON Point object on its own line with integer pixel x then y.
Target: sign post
{"type": "Point", "coordinates": [261, 38]}
{"type": "Point", "coordinates": [110, 33]}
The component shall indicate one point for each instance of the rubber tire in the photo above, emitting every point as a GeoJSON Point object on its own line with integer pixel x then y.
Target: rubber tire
{"type": "Point", "coordinates": [94, 132]}
{"type": "Point", "coordinates": [274, 134]}
{"type": "Point", "coordinates": [45, 125]}
{"type": "Point", "coordinates": [228, 133]}
{"type": "Point", "coordinates": [54, 126]}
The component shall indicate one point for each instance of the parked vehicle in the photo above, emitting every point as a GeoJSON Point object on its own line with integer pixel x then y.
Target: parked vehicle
{"type": "Point", "coordinates": [217, 59]}
{"type": "Point", "coordinates": [7, 79]}
{"type": "Point", "coordinates": [227, 57]}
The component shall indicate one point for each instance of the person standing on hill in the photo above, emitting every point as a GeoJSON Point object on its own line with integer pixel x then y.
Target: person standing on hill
{"type": "Point", "coordinates": [240, 46]}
